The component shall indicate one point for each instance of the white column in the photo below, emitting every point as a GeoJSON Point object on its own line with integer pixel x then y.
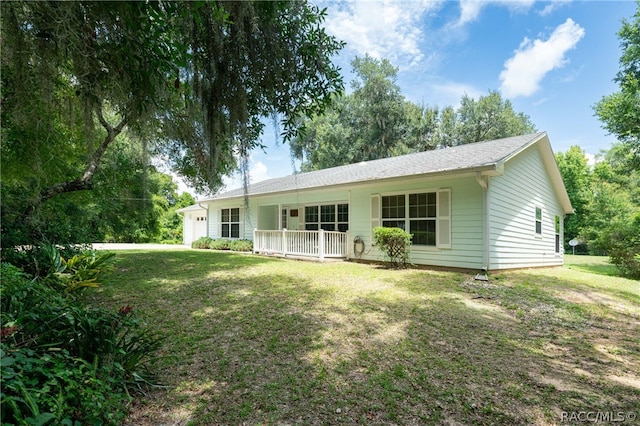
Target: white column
{"type": "Point", "coordinates": [255, 241]}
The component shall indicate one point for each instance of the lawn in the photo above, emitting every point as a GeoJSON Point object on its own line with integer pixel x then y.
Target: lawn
{"type": "Point", "coordinates": [258, 340]}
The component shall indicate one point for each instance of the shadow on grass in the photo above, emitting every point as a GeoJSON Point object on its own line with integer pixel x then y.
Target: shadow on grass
{"type": "Point", "coordinates": [599, 265]}
{"type": "Point", "coordinates": [598, 269]}
{"type": "Point", "coordinates": [258, 340]}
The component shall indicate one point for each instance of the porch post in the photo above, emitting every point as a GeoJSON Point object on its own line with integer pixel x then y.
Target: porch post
{"type": "Point", "coordinates": [284, 241]}
{"type": "Point", "coordinates": [321, 244]}
{"type": "Point", "coordinates": [347, 247]}
{"type": "Point", "coordinates": [254, 240]}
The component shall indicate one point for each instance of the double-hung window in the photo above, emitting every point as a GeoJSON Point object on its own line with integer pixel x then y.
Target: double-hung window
{"type": "Point", "coordinates": [557, 234]}
{"type": "Point", "coordinates": [394, 210]}
{"type": "Point", "coordinates": [415, 213]}
{"type": "Point", "coordinates": [330, 217]}
{"type": "Point", "coordinates": [422, 218]}
{"type": "Point", "coordinates": [230, 223]}
{"type": "Point", "coordinates": [538, 221]}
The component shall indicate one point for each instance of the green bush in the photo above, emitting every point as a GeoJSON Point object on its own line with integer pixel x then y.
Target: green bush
{"type": "Point", "coordinates": [36, 260]}
{"type": "Point", "coordinates": [220, 244]}
{"type": "Point", "coordinates": [78, 272]}
{"type": "Point", "coordinates": [57, 388]}
{"type": "Point", "coordinates": [65, 361]}
{"type": "Point", "coordinates": [623, 246]}
{"type": "Point", "coordinates": [395, 243]}
{"type": "Point", "coordinates": [241, 245]}
{"type": "Point", "coordinates": [202, 243]}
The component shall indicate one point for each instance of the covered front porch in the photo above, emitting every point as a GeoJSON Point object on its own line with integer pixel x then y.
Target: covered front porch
{"type": "Point", "coordinates": [320, 244]}
{"type": "Point", "coordinates": [318, 230]}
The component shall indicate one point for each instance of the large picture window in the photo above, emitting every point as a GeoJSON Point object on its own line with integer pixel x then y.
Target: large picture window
{"type": "Point", "coordinates": [420, 220]}
{"type": "Point", "coordinates": [330, 217]}
{"type": "Point", "coordinates": [230, 223]}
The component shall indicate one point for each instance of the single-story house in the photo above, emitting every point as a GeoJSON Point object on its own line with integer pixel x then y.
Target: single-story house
{"type": "Point", "coordinates": [497, 204]}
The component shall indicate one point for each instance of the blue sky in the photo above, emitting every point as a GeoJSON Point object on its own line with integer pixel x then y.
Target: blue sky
{"type": "Point", "coordinates": [552, 59]}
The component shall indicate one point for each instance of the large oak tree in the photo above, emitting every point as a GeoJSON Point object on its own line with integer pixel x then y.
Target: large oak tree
{"type": "Point", "coordinates": [190, 80]}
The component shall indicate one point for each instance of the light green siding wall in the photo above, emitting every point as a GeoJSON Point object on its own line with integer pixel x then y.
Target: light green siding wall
{"type": "Point", "coordinates": [466, 216]}
{"type": "Point", "coordinates": [466, 221]}
{"type": "Point", "coordinates": [268, 217]}
{"type": "Point", "coordinates": [246, 230]}
{"type": "Point", "coordinates": [513, 198]}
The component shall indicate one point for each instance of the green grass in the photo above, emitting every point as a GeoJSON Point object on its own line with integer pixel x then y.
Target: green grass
{"type": "Point", "coordinates": [257, 340]}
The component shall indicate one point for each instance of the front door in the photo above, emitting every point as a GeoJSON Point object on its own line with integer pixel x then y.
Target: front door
{"type": "Point", "coordinates": [289, 218]}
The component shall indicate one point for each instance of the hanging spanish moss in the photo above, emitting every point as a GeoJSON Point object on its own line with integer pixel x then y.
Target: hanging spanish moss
{"type": "Point", "coordinates": [249, 61]}
{"type": "Point", "coordinates": [193, 81]}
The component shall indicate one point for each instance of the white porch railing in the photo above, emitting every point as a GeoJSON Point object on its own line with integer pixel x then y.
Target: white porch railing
{"type": "Point", "coordinates": [320, 244]}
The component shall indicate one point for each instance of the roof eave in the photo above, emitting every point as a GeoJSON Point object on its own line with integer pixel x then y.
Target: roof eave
{"type": "Point", "coordinates": [550, 164]}
{"type": "Point", "coordinates": [487, 170]}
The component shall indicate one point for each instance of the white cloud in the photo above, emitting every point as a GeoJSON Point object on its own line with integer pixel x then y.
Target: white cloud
{"type": "Point", "coordinates": [470, 9]}
{"type": "Point", "coordinates": [257, 173]}
{"type": "Point", "coordinates": [552, 6]}
{"type": "Point", "coordinates": [388, 29]}
{"type": "Point", "coordinates": [450, 93]}
{"type": "Point", "coordinates": [534, 59]}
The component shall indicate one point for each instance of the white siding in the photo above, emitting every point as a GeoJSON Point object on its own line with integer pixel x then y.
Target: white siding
{"type": "Point", "coordinates": [513, 198]}
{"type": "Point", "coordinates": [187, 229]}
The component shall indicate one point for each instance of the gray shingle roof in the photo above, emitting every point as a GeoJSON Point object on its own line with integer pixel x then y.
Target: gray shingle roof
{"type": "Point", "coordinates": [470, 157]}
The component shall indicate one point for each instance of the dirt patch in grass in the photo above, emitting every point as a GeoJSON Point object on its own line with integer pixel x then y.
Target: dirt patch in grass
{"type": "Point", "coordinates": [270, 341]}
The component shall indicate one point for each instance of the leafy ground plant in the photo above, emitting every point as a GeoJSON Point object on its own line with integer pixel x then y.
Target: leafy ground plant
{"type": "Point", "coordinates": [257, 340]}
{"type": "Point", "coordinates": [65, 362]}
{"type": "Point", "coordinates": [395, 243]}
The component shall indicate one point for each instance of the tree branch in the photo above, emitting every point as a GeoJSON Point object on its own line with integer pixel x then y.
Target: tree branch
{"type": "Point", "coordinates": [85, 181]}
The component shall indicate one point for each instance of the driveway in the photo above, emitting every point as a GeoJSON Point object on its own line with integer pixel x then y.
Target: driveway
{"type": "Point", "coordinates": [132, 246]}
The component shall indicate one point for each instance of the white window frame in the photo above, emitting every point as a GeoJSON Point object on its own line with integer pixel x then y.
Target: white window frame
{"type": "Point", "coordinates": [538, 221]}
{"type": "Point", "coordinates": [230, 223]}
{"type": "Point", "coordinates": [442, 218]}
{"type": "Point", "coordinates": [557, 235]}
{"type": "Point", "coordinates": [319, 223]}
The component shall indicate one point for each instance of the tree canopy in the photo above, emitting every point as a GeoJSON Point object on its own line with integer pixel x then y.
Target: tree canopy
{"type": "Point", "coordinates": [203, 73]}
{"type": "Point", "coordinates": [376, 121]}
{"type": "Point", "coordinates": [620, 111]}
{"type": "Point", "coordinates": [606, 198]}
{"type": "Point", "coordinates": [191, 81]}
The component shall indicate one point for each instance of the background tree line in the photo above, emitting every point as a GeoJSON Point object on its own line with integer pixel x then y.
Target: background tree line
{"type": "Point", "coordinates": [606, 197]}
{"type": "Point", "coordinates": [375, 120]}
